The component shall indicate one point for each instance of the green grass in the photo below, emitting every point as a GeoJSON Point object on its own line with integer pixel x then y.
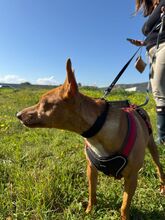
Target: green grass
{"type": "Point", "coordinates": [43, 171]}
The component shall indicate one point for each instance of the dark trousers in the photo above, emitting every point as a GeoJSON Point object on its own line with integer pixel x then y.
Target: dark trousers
{"type": "Point", "coordinates": [161, 123]}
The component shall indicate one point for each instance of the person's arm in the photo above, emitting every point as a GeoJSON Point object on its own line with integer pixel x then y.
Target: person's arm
{"type": "Point", "coordinates": [153, 19]}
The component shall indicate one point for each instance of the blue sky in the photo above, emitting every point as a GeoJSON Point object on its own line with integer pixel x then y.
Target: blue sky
{"type": "Point", "coordinates": [37, 37]}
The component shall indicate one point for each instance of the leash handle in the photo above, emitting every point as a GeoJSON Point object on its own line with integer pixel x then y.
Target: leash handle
{"type": "Point", "coordinates": [108, 90]}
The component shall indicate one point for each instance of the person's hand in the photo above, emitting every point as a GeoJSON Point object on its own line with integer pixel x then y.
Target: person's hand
{"type": "Point", "coordinates": [162, 11]}
{"type": "Point", "coordinates": [136, 42]}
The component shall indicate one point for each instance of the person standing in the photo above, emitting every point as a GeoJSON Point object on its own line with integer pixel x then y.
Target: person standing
{"type": "Point", "coordinates": [154, 10]}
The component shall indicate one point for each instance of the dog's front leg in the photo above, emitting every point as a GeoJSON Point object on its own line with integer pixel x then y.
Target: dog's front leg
{"type": "Point", "coordinates": [92, 175]}
{"type": "Point", "coordinates": [129, 190]}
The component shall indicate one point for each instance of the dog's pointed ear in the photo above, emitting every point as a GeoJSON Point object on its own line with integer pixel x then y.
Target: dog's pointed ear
{"type": "Point", "coordinates": [70, 82]}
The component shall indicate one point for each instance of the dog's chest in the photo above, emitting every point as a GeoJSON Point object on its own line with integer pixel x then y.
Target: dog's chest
{"type": "Point", "coordinates": [97, 148]}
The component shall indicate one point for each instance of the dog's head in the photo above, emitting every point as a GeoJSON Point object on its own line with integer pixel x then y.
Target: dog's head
{"type": "Point", "coordinates": [54, 107]}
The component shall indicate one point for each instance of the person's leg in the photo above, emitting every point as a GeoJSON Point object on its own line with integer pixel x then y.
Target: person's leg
{"type": "Point", "coordinates": [158, 89]}
{"type": "Point", "coordinates": [161, 124]}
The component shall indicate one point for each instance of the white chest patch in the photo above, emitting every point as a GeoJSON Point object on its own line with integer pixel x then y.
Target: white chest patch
{"type": "Point", "coordinates": [97, 148]}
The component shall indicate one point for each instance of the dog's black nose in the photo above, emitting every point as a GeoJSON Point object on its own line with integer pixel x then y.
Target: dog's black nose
{"type": "Point", "coordinates": [19, 115]}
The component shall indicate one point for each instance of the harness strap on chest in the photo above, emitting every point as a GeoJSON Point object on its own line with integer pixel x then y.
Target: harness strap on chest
{"type": "Point", "coordinates": [114, 164]}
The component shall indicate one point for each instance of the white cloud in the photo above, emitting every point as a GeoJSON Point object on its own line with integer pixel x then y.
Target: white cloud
{"type": "Point", "coordinates": [11, 79]}
{"type": "Point", "coordinates": [50, 80]}
{"type": "Point", "coordinates": [46, 81]}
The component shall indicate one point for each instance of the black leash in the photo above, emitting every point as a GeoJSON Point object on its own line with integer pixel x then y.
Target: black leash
{"type": "Point", "coordinates": [108, 90]}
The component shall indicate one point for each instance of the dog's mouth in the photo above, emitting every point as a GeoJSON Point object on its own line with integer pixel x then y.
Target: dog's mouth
{"type": "Point", "coordinates": [32, 123]}
{"type": "Point", "coordinates": [30, 120]}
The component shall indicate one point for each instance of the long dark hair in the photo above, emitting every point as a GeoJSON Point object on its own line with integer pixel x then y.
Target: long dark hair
{"type": "Point", "coordinates": [146, 6]}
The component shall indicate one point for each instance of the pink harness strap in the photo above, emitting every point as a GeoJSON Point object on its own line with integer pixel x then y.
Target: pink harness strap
{"type": "Point", "coordinates": [131, 133]}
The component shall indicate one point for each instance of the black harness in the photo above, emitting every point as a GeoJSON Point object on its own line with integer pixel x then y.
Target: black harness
{"type": "Point", "coordinates": [111, 165]}
{"type": "Point", "coordinates": [114, 164]}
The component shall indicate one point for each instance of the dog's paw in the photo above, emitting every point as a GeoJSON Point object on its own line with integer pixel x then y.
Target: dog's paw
{"type": "Point", "coordinates": [162, 190]}
{"type": "Point", "coordinates": [123, 217]}
{"type": "Point", "coordinates": [88, 209]}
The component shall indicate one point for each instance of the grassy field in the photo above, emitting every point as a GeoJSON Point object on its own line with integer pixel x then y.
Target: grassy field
{"type": "Point", "coordinates": [43, 171]}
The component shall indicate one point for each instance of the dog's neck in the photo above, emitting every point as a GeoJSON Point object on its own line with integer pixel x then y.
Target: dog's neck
{"type": "Point", "coordinates": [85, 111]}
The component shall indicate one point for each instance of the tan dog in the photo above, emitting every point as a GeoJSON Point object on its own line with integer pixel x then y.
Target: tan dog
{"type": "Point", "coordinates": [65, 108]}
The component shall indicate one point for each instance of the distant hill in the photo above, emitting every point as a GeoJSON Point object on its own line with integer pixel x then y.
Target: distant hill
{"type": "Point", "coordinates": [24, 85]}
{"type": "Point", "coordinates": [140, 87]}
